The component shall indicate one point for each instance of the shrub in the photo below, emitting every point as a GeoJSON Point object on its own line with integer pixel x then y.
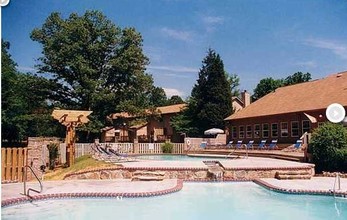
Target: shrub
{"type": "Point", "coordinates": [167, 147]}
{"type": "Point", "coordinates": [53, 154]}
{"type": "Point", "coordinates": [329, 148]}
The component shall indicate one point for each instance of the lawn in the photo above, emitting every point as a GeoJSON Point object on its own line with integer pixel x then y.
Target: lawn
{"type": "Point", "coordinates": [82, 163]}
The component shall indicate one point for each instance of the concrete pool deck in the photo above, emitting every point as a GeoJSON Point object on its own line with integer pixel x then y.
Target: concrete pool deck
{"type": "Point", "coordinates": [242, 162]}
{"type": "Point", "coordinates": [126, 188]}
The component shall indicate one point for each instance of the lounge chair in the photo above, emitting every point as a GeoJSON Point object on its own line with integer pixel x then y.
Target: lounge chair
{"type": "Point", "coordinates": [203, 144]}
{"type": "Point", "coordinates": [238, 145]}
{"type": "Point", "coordinates": [262, 145]}
{"type": "Point", "coordinates": [250, 144]}
{"type": "Point", "coordinates": [121, 156]}
{"type": "Point", "coordinates": [298, 144]}
{"type": "Point", "coordinates": [230, 144]}
{"type": "Point", "coordinates": [273, 145]}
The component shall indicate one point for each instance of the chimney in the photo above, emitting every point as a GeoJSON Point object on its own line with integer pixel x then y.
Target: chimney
{"type": "Point", "coordinates": [246, 98]}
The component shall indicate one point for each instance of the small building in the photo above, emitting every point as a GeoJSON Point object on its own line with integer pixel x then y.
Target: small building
{"type": "Point", "coordinates": [288, 112]}
{"type": "Point", "coordinates": [156, 128]}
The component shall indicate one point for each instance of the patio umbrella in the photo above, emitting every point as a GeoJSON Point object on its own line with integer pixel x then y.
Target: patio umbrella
{"type": "Point", "coordinates": [214, 131]}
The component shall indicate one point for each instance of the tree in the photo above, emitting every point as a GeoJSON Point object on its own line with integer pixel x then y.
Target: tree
{"type": "Point", "coordinates": [25, 110]}
{"type": "Point", "coordinates": [234, 82]}
{"type": "Point", "coordinates": [175, 99]}
{"type": "Point", "coordinates": [297, 77]}
{"type": "Point", "coordinates": [158, 97]}
{"type": "Point", "coordinates": [265, 86]}
{"type": "Point", "coordinates": [329, 148]}
{"type": "Point", "coordinates": [95, 64]}
{"type": "Point", "coordinates": [210, 101]}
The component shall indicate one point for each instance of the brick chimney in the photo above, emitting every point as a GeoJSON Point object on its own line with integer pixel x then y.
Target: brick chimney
{"type": "Point", "coordinates": [246, 98]}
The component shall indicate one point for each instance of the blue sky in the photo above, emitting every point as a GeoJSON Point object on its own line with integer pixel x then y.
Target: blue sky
{"type": "Point", "coordinates": [255, 38]}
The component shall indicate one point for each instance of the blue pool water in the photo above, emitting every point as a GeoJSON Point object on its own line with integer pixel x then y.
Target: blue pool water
{"type": "Point", "coordinates": [178, 158]}
{"type": "Point", "coordinates": [195, 201]}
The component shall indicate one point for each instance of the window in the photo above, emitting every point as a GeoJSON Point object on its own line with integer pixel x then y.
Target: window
{"type": "Point", "coordinates": [257, 131]}
{"type": "Point", "coordinates": [249, 131]}
{"type": "Point", "coordinates": [242, 132]}
{"type": "Point", "coordinates": [274, 130]}
{"type": "Point", "coordinates": [265, 130]}
{"type": "Point", "coordinates": [284, 129]}
{"type": "Point", "coordinates": [233, 132]}
{"type": "Point", "coordinates": [295, 129]}
{"type": "Point", "coordinates": [306, 126]}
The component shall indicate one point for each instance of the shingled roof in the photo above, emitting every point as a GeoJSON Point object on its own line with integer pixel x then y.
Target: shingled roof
{"type": "Point", "coordinates": [161, 110]}
{"type": "Point", "coordinates": [317, 94]}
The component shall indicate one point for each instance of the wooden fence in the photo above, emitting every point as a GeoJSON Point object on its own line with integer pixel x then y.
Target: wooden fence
{"type": "Point", "coordinates": [13, 161]}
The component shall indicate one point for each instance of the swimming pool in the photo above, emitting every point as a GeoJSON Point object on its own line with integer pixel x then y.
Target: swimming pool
{"type": "Point", "coordinates": [244, 200]}
{"type": "Point", "coordinates": [179, 158]}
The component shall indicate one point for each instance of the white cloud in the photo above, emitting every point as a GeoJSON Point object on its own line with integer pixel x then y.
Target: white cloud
{"type": "Point", "coordinates": [309, 64]}
{"type": "Point", "coordinates": [335, 47]}
{"type": "Point", "coordinates": [177, 69]}
{"type": "Point", "coordinates": [213, 20]}
{"type": "Point", "coordinates": [170, 92]}
{"type": "Point", "coordinates": [177, 34]}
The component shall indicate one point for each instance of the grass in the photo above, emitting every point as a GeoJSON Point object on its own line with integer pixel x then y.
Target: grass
{"type": "Point", "coordinates": [85, 162]}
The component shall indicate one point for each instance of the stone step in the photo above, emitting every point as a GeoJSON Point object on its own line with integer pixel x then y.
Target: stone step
{"type": "Point", "coordinates": [293, 172]}
{"type": "Point", "coordinates": [149, 173]}
{"type": "Point", "coordinates": [292, 177]}
{"type": "Point", "coordinates": [147, 178]}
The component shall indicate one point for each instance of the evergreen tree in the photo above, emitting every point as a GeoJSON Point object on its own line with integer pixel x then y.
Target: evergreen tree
{"type": "Point", "coordinates": [210, 101]}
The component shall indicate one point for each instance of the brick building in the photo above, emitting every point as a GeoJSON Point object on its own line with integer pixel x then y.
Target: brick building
{"type": "Point", "coordinates": [287, 113]}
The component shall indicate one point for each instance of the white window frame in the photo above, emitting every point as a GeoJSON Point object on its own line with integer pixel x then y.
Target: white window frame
{"type": "Point", "coordinates": [284, 129]}
{"type": "Point", "coordinates": [275, 136]}
{"type": "Point", "coordinates": [291, 128]}
{"type": "Point", "coordinates": [255, 130]}
{"type": "Point", "coordinates": [243, 131]}
{"type": "Point", "coordinates": [263, 130]}
{"type": "Point", "coordinates": [250, 132]}
{"type": "Point", "coordinates": [302, 126]}
{"type": "Point", "coordinates": [234, 132]}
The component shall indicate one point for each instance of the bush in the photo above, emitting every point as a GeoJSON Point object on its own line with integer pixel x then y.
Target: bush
{"type": "Point", "coordinates": [329, 148]}
{"type": "Point", "coordinates": [53, 154]}
{"type": "Point", "coordinates": [167, 148]}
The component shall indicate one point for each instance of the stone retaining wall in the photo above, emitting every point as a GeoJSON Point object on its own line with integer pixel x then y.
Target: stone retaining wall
{"type": "Point", "coordinates": [191, 174]}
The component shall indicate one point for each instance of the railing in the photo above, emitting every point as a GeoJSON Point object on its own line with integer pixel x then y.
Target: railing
{"type": "Point", "coordinates": [337, 183]}
{"type": "Point", "coordinates": [25, 181]}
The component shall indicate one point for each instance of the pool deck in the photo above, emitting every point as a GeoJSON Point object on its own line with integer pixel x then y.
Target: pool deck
{"type": "Point", "coordinates": [239, 163]}
{"type": "Point", "coordinates": [125, 188]}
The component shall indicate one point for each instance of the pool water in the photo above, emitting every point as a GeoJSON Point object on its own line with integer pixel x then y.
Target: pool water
{"type": "Point", "coordinates": [195, 201]}
{"type": "Point", "coordinates": [178, 158]}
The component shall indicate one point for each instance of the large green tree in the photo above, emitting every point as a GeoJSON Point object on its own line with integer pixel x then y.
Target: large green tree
{"type": "Point", "coordinates": [210, 101]}
{"type": "Point", "coordinates": [25, 108]}
{"type": "Point", "coordinates": [96, 65]}
{"type": "Point", "coordinates": [297, 77]}
{"type": "Point", "coordinates": [267, 85]}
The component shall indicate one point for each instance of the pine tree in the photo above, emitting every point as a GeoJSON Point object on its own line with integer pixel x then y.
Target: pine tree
{"type": "Point", "coordinates": [210, 101]}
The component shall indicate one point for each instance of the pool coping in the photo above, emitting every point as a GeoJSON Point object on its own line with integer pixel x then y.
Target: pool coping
{"type": "Point", "coordinates": [176, 188]}
{"type": "Point", "coordinates": [299, 191]}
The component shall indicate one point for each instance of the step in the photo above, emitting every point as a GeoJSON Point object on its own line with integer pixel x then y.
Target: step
{"type": "Point", "coordinates": [147, 178]}
{"type": "Point", "coordinates": [148, 173]}
{"type": "Point", "coordinates": [292, 177]}
{"type": "Point", "coordinates": [293, 172]}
